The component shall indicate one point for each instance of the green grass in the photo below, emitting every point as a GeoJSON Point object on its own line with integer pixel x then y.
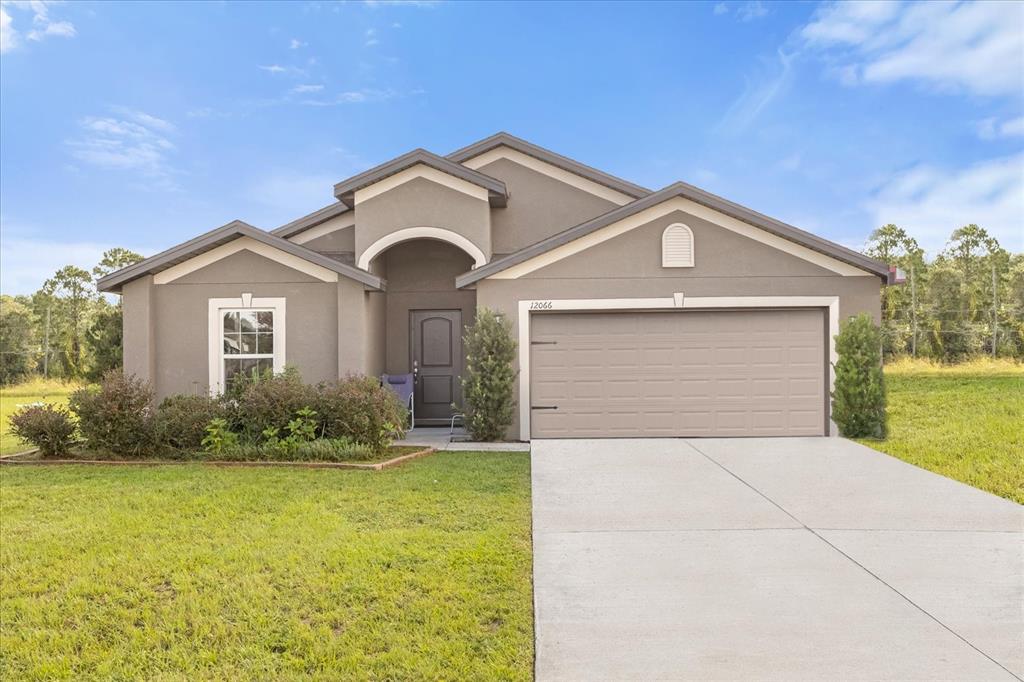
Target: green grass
{"type": "Point", "coordinates": [194, 572]}
{"type": "Point", "coordinates": [963, 421]}
{"type": "Point", "coordinates": [35, 390]}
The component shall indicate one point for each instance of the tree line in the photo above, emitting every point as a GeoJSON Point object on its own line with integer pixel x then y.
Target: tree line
{"type": "Point", "coordinates": [967, 301]}
{"type": "Point", "coordinates": [67, 329]}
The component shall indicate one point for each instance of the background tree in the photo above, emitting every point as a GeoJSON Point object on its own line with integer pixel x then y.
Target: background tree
{"type": "Point", "coordinates": [892, 245]}
{"type": "Point", "coordinates": [105, 332]}
{"type": "Point", "coordinates": [70, 294]}
{"type": "Point", "coordinates": [18, 346]}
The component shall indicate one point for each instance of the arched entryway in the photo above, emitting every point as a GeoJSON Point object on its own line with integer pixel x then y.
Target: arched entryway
{"type": "Point", "coordinates": [423, 319]}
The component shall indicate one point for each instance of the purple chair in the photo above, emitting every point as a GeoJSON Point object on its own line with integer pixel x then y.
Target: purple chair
{"type": "Point", "coordinates": [403, 385]}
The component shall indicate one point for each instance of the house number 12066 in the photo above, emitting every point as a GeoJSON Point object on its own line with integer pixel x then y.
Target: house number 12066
{"type": "Point", "coordinates": [540, 305]}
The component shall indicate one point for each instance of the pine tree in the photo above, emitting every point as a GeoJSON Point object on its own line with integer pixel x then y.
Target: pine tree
{"type": "Point", "coordinates": [858, 400]}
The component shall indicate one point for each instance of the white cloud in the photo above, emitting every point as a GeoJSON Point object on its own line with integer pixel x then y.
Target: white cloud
{"type": "Point", "coordinates": [371, 37]}
{"type": "Point", "coordinates": [26, 261]}
{"type": "Point", "coordinates": [992, 128]}
{"type": "Point", "coordinates": [748, 11]}
{"type": "Point", "coordinates": [42, 25]}
{"type": "Point", "coordinates": [307, 88]}
{"type": "Point", "coordinates": [931, 202]}
{"type": "Point", "coordinates": [296, 44]}
{"type": "Point", "coordinates": [721, 8]}
{"type": "Point", "coordinates": [274, 68]}
{"type": "Point", "coordinates": [356, 97]}
{"type": "Point", "coordinates": [972, 47]}
{"type": "Point", "coordinates": [758, 94]}
{"type": "Point", "coordinates": [134, 141]}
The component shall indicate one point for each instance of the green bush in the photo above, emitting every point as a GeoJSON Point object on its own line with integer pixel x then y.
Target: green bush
{"type": "Point", "coordinates": [320, 450]}
{"type": "Point", "coordinates": [48, 427]}
{"type": "Point", "coordinates": [490, 377]}
{"type": "Point", "coordinates": [858, 400]}
{"type": "Point", "coordinates": [359, 409]}
{"type": "Point", "coordinates": [270, 402]}
{"type": "Point", "coordinates": [219, 437]}
{"type": "Point", "coordinates": [116, 417]}
{"type": "Point", "coordinates": [180, 421]}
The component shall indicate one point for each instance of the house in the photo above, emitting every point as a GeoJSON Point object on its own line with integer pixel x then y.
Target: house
{"type": "Point", "coordinates": [638, 313]}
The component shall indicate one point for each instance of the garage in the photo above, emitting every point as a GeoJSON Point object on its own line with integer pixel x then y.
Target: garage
{"type": "Point", "coordinates": [680, 373]}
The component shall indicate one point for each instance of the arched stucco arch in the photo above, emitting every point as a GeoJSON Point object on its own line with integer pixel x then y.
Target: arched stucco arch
{"type": "Point", "coordinates": [404, 235]}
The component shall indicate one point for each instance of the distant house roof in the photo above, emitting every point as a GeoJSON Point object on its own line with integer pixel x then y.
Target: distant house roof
{"type": "Point", "coordinates": [345, 190]}
{"type": "Point", "coordinates": [222, 235]}
{"type": "Point", "coordinates": [503, 139]}
{"type": "Point", "coordinates": [697, 195]}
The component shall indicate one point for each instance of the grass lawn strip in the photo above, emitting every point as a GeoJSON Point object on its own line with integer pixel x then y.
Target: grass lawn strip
{"type": "Point", "coordinates": [201, 573]}
{"type": "Point", "coordinates": [965, 422]}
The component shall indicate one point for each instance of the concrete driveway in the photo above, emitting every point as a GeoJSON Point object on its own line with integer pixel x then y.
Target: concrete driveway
{"type": "Point", "coordinates": [783, 559]}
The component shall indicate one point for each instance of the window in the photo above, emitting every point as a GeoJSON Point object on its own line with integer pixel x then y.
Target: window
{"type": "Point", "coordinates": [677, 247]}
{"type": "Point", "coordinates": [248, 343]}
{"type": "Point", "coordinates": [246, 336]}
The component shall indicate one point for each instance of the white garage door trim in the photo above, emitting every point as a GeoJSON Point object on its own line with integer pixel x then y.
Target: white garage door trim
{"type": "Point", "coordinates": [677, 302]}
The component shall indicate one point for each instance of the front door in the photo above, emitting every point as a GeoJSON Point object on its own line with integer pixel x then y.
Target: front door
{"type": "Point", "coordinates": [437, 361]}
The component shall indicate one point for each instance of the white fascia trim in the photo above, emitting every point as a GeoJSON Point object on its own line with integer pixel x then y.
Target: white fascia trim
{"type": "Point", "coordinates": [544, 168]}
{"type": "Point", "coordinates": [404, 235]}
{"type": "Point", "coordinates": [420, 171]}
{"type": "Point", "coordinates": [325, 228]}
{"type": "Point", "coordinates": [678, 204]}
{"type": "Point", "coordinates": [244, 244]}
{"type": "Point", "coordinates": [215, 330]}
{"type": "Point", "coordinates": [675, 302]}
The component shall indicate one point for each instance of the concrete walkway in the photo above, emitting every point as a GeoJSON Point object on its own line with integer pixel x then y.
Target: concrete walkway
{"type": "Point", "coordinates": [783, 559]}
{"type": "Point", "coordinates": [442, 438]}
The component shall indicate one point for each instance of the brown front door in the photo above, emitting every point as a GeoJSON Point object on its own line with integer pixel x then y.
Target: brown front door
{"type": "Point", "coordinates": [437, 360]}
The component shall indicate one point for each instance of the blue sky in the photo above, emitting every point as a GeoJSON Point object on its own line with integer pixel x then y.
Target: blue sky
{"type": "Point", "coordinates": [143, 125]}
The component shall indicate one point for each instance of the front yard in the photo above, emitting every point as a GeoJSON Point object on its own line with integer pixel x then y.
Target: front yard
{"type": "Point", "coordinates": [964, 421]}
{"type": "Point", "coordinates": [196, 572]}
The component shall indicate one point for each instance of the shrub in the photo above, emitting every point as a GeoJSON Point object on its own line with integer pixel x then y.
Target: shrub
{"type": "Point", "coordinates": [48, 427]}
{"type": "Point", "coordinates": [490, 377]}
{"type": "Point", "coordinates": [116, 416]}
{"type": "Point", "coordinates": [219, 438]}
{"type": "Point", "coordinates": [270, 402]}
{"type": "Point", "coordinates": [858, 400]}
{"type": "Point", "coordinates": [299, 431]}
{"type": "Point", "coordinates": [360, 409]}
{"type": "Point", "coordinates": [180, 421]}
{"type": "Point", "coordinates": [320, 450]}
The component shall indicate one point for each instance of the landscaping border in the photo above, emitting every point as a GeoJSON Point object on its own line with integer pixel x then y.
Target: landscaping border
{"type": "Point", "coordinates": [375, 466]}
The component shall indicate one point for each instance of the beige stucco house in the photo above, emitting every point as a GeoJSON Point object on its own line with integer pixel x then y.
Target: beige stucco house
{"type": "Point", "coordinates": [638, 312]}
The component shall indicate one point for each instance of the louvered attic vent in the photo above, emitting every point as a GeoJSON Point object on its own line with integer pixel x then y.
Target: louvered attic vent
{"type": "Point", "coordinates": [677, 247]}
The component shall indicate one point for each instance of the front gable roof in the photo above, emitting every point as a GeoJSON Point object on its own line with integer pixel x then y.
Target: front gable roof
{"type": "Point", "coordinates": [315, 218]}
{"type": "Point", "coordinates": [503, 139]}
{"type": "Point", "coordinates": [221, 236]}
{"type": "Point", "coordinates": [696, 195]}
{"type": "Point", "coordinates": [496, 192]}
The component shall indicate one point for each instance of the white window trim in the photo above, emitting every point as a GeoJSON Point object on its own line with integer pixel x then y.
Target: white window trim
{"type": "Point", "coordinates": [216, 341]}
{"type": "Point", "coordinates": [420, 171]}
{"type": "Point", "coordinates": [404, 235]}
{"type": "Point", "coordinates": [685, 205]}
{"type": "Point", "coordinates": [554, 172]}
{"type": "Point", "coordinates": [665, 263]}
{"type": "Point", "coordinates": [244, 244]}
{"type": "Point", "coordinates": [677, 302]}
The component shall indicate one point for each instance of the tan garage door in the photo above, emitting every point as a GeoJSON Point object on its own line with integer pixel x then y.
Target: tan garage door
{"type": "Point", "coordinates": [683, 373]}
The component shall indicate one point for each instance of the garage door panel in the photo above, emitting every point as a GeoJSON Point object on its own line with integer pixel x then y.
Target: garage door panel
{"type": "Point", "coordinates": [726, 373]}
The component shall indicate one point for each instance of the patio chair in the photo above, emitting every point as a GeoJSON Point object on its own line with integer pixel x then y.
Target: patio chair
{"type": "Point", "coordinates": [403, 385]}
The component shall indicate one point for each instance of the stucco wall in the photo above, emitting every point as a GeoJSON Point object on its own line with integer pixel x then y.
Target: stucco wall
{"type": "Point", "coordinates": [181, 314]}
{"type": "Point", "coordinates": [538, 206]}
{"type": "Point", "coordinates": [137, 328]}
{"type": "Point", "coordinates": [726, 264]}
{"type": "Point", "coordinates": [422, 203]}
{"type": "Point", "coordinates": [421, 276]}
{"type": "Point", "coordinates": [342, 240]}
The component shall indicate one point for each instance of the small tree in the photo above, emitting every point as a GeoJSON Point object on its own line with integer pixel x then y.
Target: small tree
{"type": "Point", "coordinates": [490, 378]}
{"type": "Point", "coordinates": [858, 401]}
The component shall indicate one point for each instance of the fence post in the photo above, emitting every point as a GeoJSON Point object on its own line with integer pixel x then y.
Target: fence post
{"type": "Point", "coordinates": [913, 311]}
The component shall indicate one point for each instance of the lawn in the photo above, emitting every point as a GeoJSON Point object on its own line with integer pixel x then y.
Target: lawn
{"type": "Point", "coordinates": [36, 390]}
{"type": "Point", "coordinates": [197, 572]}
{"type": "Point", "coordinates": [965, 422]}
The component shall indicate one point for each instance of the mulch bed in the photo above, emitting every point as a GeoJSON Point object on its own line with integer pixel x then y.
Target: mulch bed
{"type": "Point", "coordinates": [21, 459]}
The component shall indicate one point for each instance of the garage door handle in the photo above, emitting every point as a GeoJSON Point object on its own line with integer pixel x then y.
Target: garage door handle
{"type": "Point", "coordinates": [543, 343]}
{"type": "Point", "coordinates": [543, 407]}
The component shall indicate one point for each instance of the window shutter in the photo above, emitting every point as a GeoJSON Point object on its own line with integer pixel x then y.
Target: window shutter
{"type": "Point", "coordinates": [677, 247]}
